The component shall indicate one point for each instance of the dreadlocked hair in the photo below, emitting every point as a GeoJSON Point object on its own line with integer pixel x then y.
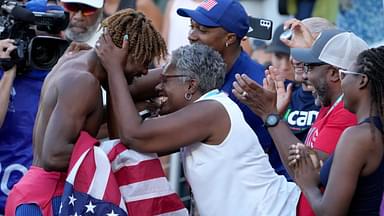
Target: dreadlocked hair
{"type": "Point", "coordinates": [145, 44]}
{"type": "Point", "coordinates": [371, 63]}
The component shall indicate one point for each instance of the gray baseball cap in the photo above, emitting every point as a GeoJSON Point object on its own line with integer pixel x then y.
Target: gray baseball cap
{"type": "Point", "coordinates": [277, 46]}
{"type": "Point", "coordinates": [335, 47]}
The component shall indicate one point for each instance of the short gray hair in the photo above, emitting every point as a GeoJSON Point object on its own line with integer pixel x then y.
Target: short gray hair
{"type": "Point", "coordinates": [318, 24]}
{"type": "Point", "coordinates": [202, 63]}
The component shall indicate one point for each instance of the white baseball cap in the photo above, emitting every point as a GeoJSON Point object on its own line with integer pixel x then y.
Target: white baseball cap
{"type": "Point", "coordinates": [92, 3]}
{"type": "Point", "coordinates": [335, 47]}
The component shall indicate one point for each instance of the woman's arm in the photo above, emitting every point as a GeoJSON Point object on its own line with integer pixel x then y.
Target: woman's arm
{"type": "Point", "coordinates": [349, 159]}
{"type": "Point", "coordinates": [194, 123]}
{"type": "Point", "coordinates": [77, 99]}
{"type": "Point", "coordinates": [143, 88]}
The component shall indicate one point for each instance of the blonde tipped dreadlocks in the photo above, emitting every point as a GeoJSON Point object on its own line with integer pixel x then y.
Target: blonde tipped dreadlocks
{"type": "Point", "coordinates": [145, 44]}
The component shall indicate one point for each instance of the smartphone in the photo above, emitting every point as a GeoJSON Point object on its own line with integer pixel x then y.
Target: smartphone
{"type": "Point", "coordinates": [260, 28]}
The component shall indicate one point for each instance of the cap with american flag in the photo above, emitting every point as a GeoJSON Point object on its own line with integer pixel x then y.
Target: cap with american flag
{"type": "Point", "coordinates": [228, 14]}
{"type": "Point", "coordinates": [208, 4]}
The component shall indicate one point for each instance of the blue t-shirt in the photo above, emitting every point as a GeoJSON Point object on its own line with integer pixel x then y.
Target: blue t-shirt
{"type": "Point", "coordinates": [16, 132]}
{"type": "Point", "coordinates": [301, 112]}
{"type": "Point", "coordinates": [245, 65]}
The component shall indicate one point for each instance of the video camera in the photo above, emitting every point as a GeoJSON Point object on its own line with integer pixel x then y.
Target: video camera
{"type": "Point", "coordinates": [20, 24]}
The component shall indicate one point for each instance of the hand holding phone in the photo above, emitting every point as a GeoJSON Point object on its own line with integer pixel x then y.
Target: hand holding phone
{"type": "Point", "coordinates": [260, 28]}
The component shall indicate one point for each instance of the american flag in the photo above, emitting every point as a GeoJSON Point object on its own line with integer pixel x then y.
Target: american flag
{"type": "Point", "coordinates": [208, 4]}
{"type": "Point", "coordinates": [112, 180]}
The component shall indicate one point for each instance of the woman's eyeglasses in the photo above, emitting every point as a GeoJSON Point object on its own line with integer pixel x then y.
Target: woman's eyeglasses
{"type": "Point", "coordinates": [342, 73]}
{"type": "Point", "coordinates": [164, 77]}
{"type": "Point", "coordinates": [75, 7]}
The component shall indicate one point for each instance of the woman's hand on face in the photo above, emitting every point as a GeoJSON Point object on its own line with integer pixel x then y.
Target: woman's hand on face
{"type": "Point", "coordinates": [261, 101]}
{"type": "Point", "coordinates": [301, 36]}
{"type": "Point", "coordinates": [112, 57]}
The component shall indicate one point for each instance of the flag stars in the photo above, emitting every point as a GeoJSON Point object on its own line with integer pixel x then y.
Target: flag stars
{"type": "Point", "coordinates": [90, 207]}
{"type": "Point", "coordinates": [72, 200]}
{"type": "Point", "coordinates": [112, 214]}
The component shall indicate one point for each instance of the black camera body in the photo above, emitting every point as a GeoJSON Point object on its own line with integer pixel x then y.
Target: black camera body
{"type": "Point", "coordinates": [32, 52]}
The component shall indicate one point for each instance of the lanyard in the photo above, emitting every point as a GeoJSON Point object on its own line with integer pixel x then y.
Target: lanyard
{"type": "Point", "coordinates": [334, 105]}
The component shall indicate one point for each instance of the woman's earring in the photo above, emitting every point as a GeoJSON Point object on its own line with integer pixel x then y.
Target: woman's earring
{"type": "Point", "coordinates": [188, 96]}
{"type": "Point", "coordinates": [226, 44]}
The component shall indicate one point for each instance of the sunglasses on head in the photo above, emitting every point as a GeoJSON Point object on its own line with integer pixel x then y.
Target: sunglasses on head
{"type": "Point", "coordinates": [75, 7]}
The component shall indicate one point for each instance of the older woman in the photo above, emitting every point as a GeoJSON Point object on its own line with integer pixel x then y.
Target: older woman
{"type": "Point", "coordinates": [222, 25]}
{"type": "Point", "coordinates": [223, 160]}
{"type": "Point", "coordinates": [353, 176]}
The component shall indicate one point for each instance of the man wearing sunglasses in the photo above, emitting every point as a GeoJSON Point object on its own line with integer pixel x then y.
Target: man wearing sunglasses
{"type": "Point", "coordinates": [321, 67]}
{"type": "Point", "coordinates": [84, 19]}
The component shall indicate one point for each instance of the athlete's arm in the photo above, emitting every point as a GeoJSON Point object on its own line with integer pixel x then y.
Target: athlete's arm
{"type": "Point", "coordinates": [77, 98]}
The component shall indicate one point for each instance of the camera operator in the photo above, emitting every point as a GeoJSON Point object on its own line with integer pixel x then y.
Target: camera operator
{"type": "Point", "coordinates": [16, 131]}
{"type": "Point", "coordinates": [19, 99]}
{"type": "Point", "coordinates": [6, 79]}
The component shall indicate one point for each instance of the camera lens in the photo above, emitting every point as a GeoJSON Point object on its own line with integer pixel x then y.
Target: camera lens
{"type": "Point", "coordinates": [44, 56]}
{"type": "Point", "coordinates": [46, 51]}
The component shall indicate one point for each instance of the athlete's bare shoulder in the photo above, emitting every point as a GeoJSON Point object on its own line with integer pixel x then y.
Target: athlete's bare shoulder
{"type": "Point", "coordinates": [70, 77]}
{"type": "Point", "coordinates": [73, 70]}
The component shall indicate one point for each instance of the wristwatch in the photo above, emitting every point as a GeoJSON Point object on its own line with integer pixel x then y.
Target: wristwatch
{"type": "Point", "coordinates": [272, 120]}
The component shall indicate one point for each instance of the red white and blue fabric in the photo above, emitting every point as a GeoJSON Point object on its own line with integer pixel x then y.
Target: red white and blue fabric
{"type": "Point", "coordinates": [112, 180]}
{"type": "Point", "coordinates": [208, 4]}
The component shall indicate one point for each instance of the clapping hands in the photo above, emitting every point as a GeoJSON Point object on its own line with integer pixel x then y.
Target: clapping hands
{"type": "Point", "coordinates": [260, 99]}
{"type": "Point", "coordinates": [306, 165]}
{"type": "Point", "coordinates": [272, 97]}
{"type": "Point", "coordinates": [275, 81]}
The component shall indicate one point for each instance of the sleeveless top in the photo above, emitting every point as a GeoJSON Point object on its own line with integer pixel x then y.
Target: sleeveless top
{"type": "Point", "coordinates": [235, 177]}
{"type": "Point", "coordinates": [369, 190]}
